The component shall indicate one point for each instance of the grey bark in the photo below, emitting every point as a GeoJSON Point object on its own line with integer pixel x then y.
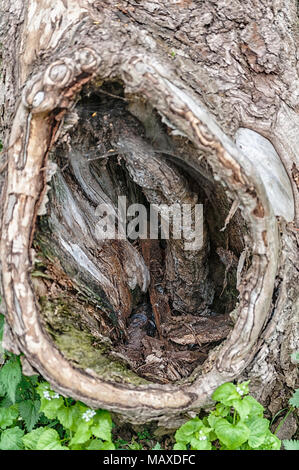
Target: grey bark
{"type": "Point", "coordinates": [213, 72]}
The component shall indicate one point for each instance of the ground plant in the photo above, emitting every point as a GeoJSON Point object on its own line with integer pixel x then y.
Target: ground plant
{"type": "Point", "coordinates": [34, 417]}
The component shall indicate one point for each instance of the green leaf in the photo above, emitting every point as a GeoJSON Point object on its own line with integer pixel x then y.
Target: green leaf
{"type": "Point", "coordinates": [50, 408]}
{"type": "Point", "coordinates": [6, 402]}
{"type": "Point", "coordinates": [231, 435]}
{"type": "Point", "coordinates": [42, 387]}
{"type": "Point", "coordinates": [226, 393]}
{"type": "Point", "coordinates": [157, 446]}
{"type": "Point", "coordinates": [186, 430]}
{"type": "Point", "coordinates": [82, 434]}
{"type": "Point", "coordinates": [78, 446]}
{"type": "Point", "coordinates": [212, 420]}
{"type": "Point", "coordinates": [49, 440]}
{"type": "Point", "coordinates": [242, 407]}
{"type": "Point", "coordinates": [102, 425]}
{"type": "Point", "coordinates": [259, 428]}
{"type": "Point", "coordinates": [180, 446]}
{"type": "Point", "coordinates": [49, 404]}
{"type": "Point", "coordinates": [221, 410]}
{"type": "Point", "coordinates": [30, 411]}
{"type": "Point", "coordinates": [243, 388]}
{"type": "Point", "coordinates": [271, 442]}
{"type": "Point", "coordinates": [11, 439]}
{"type": "Point", "coordinates": [256, 409]}
{"type": "Point", "coordinates": [197, 444]}
{"type": "Point", "coordinates": [294, 400]}
{"type": "Point", "coordinates": [31, 438]}
{"type": "Point", "coordinates": [94, 444]}
{"type": "Point", "coordinates": [8, 416]}
{"type": "Point", "coordinates": [33, 379]}
{"type": "Point", "coordinates": [26, 389]}
{"type": "Point", "coordinates": [98, 444]}
{"type": "Point", "coordinates": [290, 444]}
{"type": "Point", "coordinates": [2, 388]}
{"type": "Point", "coordinates": [107, 445]}
{"type": "Point", "coordinates": [10, 376]}
{"type": "Point", "coordinates": [68, 417]}
{"type": "Point", "coordinates": [295, 356]}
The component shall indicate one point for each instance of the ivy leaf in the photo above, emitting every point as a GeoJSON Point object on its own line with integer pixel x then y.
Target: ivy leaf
{"type": "Point", "coordinates": [30, 411]}
{"type": "Point", "coordinates": [226, 393]}
{"type": "Point", "coordinates": [231, 435]}
{"type": "Point", "coordinates": [11, 439]}
{"type": "Point", "coordinates": [259, 428]}
{"type": "Point", "coordinates": [294, 400]}
{"type": "Point", "coordinates": [102, 425]}
{"type": "Point", "coordinates": [290, 444]}
{"type": "Point", "coordinates": [30, 439]}
{"type": "Point", "coordinates": [8, 416]}
{"type": "Point", "coordinates": [186, 430]}
{"type": "Point", "coordinates": [10, 376]}
{"type": "Point", "coordinates": [83, 433]}
{"type": "Point", "coordinates": [49, 440]}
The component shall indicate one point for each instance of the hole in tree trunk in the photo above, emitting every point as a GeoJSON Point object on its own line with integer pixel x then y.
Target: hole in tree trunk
{"type": "Point", "coordinates": [139, 308]}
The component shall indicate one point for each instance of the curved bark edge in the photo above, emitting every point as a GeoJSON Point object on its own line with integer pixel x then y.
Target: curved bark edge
{"type": "Point", "coordinates": [45, 98]}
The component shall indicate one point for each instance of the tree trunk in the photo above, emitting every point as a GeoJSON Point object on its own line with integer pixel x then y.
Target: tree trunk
{"type": "Point", "coordinates": [173, 103]}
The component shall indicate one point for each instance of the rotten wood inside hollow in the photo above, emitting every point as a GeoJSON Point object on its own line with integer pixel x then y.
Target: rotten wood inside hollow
{"type": "Point", "coordinates": [163, 307]}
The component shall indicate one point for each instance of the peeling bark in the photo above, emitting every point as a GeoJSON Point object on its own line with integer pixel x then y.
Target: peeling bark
{"type": "Point", "coordinates": [218, 80]}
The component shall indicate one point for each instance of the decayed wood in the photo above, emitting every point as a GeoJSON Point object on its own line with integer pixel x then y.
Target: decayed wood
{"type": "Point", "coordinates": [109, 48]}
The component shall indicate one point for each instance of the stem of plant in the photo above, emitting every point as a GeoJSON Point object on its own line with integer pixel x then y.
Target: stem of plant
{"type": "Point", "coordinates": [277, 414]}
{"type": "Point", "coordinates": [283, 419]}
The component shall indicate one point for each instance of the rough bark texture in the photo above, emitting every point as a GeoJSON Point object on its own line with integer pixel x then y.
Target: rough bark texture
{"type": "Point", "coordinates": [219, 78]}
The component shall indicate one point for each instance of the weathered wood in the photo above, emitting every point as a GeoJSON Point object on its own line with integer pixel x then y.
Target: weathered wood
{"type": "Point", "coordinates": [226, 68]}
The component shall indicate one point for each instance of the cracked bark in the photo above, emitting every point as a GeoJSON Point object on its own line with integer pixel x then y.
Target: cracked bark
{"type": "Point", "coordinates": [222, 82]}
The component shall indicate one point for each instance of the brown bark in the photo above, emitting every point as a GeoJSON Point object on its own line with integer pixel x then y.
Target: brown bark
{"type": "Point", "coordinates": [199, 89]}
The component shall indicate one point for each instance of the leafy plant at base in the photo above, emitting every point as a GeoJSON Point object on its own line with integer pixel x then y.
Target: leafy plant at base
{"type": "Point", "coordinates": [83, 428]}
{"type": "Point", "coordinates": [294, 402]}
{"type": "Point", "coordinates": [11, 439]}
{"type": "Point", "coordinates": [10, 377]}
{"type": "Point", "coordinates": [236, 423]}
{"type": "Point", "coordinates": [29, 411]}
{"type": "Point", "coordinates": [34, 417]}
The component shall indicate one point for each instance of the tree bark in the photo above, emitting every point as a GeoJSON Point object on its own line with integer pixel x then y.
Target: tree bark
{"type": "Point", "coordinates": [165, 102]}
